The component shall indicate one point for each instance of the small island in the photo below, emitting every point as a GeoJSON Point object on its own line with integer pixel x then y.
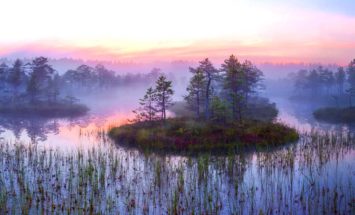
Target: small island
{"type": "Point", "coordinates": [220, 113]}
{"type": "Point", "coordinates": [331, 91]}
{"type": "Point", "coordinates": [335, 115]}
{"type": "Point", "coordinates": [36, 89]}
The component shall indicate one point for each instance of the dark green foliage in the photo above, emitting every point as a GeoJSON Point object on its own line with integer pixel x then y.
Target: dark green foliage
{"type": "Point", "coordinates": [40, 78]}
{"type": "Point", "coordinates": [162, 94]}
{"type": "Point", "coordinates": [220, 112]}
{"type": "Point", "coordinates": [220, 130]}
{"type": "Point", "coordinates": [233, 84]}
{"type": "Point", "coordinates": [345, 115]}
{"type": "Point", "coordinates": [240, 81]}
{"type": "Point", "coordinates": [147, 110]}
{"type": "Point", "coordinates": [351, 73]}
{"type": "Point", "coordinates": [340, 78]}
{"type": "Point", "coordinates": [36, 91]}
{"type": "Point", "coordinates": [196, 91]}
{"type": "Point", "coordinates": [16, 75]}
{"type": "Point", "coordinates": [210, 75]}
{"type": "Point", "coordinates": [155, 101]}
{"type": "Point", "coordinates": [261, 109]}
{"type": "Point", "coordinates": [323, 85]}
{"type": "Point", "coordinates": [184, 135]}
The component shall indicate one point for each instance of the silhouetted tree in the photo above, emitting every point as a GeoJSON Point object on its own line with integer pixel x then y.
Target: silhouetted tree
{"type": "Point", "coordinates": [147, 110]}
{"type": "Point", "coordinates": [252, 79]}
{"type": "Point", "coordinates": [195, 91]}
{"type": "Point", "coordinates": [233, 82]}
{"type": "Point", "coordinates": [15, 76]}
{"type": "Point", "coordinates": [351, 74]}
{"type": "Point", "coordinates": [105, 77]}
{"type": "Point", "coordinates": [210, 74]}
{"type": "Point", "coordinates": [53, 90]}
{"type": "Point", "coordinates": [314, 81]}
{"type": "Point", "coordinates": [40, 77]}
{"type": "Point", "coordinates": [163, 93]}
{"type": "Point", "coordinates": [340, 78]}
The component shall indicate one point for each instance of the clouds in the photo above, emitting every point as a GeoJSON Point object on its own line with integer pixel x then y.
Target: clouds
{"type": "Point", "coordinates": [125, 29]}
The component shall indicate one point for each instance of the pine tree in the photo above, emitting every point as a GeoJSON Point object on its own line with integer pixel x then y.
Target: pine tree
{"type": "Point", "coordinates": [40, 77]}
{"type": "Point", "coordinates": [252, 80]}
{"type": "Point", "coordinates": [210, 74]}
{"type": "Point", "coordinates": [233, 82]}
{"type": "Point", "coordinates": [53, 89]}
{"type": "Point", "coordinates": [15, 76]}
{"type": "Point", "coordinates": [147, 110]}
{"type": "Point", "coordinates": [163, 94]}
{"type": "Point", "coordinates": [351, 74]}
{"type": "Point", "coordinates": [195, 91]}
{"type": "Point", "coordinates": [340, 77]}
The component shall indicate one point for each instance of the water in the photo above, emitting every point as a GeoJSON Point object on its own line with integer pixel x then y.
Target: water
{"type": "Point", "coordinates": [312, 176]}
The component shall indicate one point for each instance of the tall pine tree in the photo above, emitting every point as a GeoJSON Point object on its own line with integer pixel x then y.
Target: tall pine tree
{"type": "Point", "coordinates": [163, 95]}
{"type": "Point", "coordinates": [195, 91]}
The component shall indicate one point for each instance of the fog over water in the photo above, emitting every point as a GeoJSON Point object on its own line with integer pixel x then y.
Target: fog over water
{"type": "Point", "coordinates": [114, 107]}
{"type": "Point", "coordinates": [284, 172]}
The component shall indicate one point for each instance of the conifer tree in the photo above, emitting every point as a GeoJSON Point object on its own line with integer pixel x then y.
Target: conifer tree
{"type": "Point", "coordinates": [147, 110]}
{"type": "Point", "coordinates": [195, 91]}
{"type": "Point", "coordinates": [163, 95]}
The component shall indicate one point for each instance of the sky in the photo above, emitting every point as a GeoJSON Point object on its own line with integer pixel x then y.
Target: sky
{"type": "Point", "coordinates": [276, 31]}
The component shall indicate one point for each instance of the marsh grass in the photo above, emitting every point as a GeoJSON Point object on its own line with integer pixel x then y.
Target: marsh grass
{"type": "Point", "coordinates": [312, 177]}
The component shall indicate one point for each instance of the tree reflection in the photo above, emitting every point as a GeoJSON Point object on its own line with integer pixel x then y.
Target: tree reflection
{"type": "Point", "coordinates": [37, 128]}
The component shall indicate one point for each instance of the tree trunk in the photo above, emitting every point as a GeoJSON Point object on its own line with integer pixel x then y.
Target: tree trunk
{"type": "Point", "coordinates": [163, 107]}
{"type": "Point", "coordinates": [207, 102]}
{"type": "Point", "coordinates": [198, 104]}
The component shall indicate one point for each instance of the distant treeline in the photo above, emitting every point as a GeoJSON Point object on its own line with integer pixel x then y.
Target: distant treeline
{"type": "Point", "coordinates": [38, 81]}
{"type": "Point", "coordinates": [324, 83]}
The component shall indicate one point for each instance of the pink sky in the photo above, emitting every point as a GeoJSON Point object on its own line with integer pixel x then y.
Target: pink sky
{"type": "Point", "coordinates": [160, 30]}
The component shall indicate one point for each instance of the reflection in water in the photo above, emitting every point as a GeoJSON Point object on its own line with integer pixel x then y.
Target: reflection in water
{"type": "Point", "coordinates": [300, 116]}
{"type": "Point", "coordinates": [313, 176]}
{"type": "Point", "coordinates": [36, 128]}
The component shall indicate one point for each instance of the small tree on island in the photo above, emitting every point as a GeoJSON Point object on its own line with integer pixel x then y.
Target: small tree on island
{"type": "Point", "coordinates": [195, 90]}
{"type": "Point", "coordinates": [147, 110]}
{"type": "Point", "coordinates": [163, 95]}
{"type": "Point", "coordinates": [155, 101]}
{"type": "Point", "coordinates": [210, 74]}
{"type": "Point", "coordinates": [40, 77]}
{"type": "Point", "coordinates": [233, 82]}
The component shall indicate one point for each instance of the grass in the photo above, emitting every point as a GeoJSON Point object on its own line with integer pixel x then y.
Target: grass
{"type": "Point", "coordinates": [336, 115]}
{"type": "Point", "coordinates": [44, 109]}
{"type": "Point", "coordinates": [305, 178]}
{"type": "Point", "coordinates": [185, 135]}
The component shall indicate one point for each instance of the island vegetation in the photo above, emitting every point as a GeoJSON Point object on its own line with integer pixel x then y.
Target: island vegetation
{"type": "Point", "coordinates": [333, 91]}
{"type": "Point", "coordinates": [222, 106]}
{"type": "Point", "coordinates": [335, 115]}
{"type": "Point", "coordinates": [35, 88]}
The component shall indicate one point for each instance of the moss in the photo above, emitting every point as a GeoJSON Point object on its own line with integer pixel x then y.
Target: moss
{"type": "Point", "coordinates": [335, 115]}
{"type": "Point", "coordinates": [185, 135]}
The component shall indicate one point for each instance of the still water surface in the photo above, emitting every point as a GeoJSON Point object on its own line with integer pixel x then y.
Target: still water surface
{"type": "Point", "coordinates": [305, 177]}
